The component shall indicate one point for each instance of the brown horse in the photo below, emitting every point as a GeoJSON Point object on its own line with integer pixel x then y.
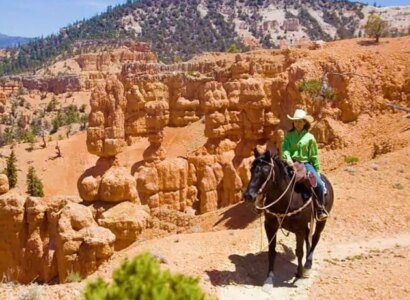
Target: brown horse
{"type": "Point", "coordinates": [272, 179]}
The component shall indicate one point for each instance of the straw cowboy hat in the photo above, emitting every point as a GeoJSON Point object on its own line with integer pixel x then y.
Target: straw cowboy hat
{"type": "Point", "coordinates": [300, 114]}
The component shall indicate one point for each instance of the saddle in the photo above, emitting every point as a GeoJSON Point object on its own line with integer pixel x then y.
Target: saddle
{"type": "Point", "coordinates": [304, 177]}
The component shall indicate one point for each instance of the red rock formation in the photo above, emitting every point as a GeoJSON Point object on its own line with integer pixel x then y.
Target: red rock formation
{"type": "Point", "coordinates": [244, 100]}
{"type": "Point", "coordinates": [2, 102]}
{"type": "Point", "coordinates": [4, 184]}
{"type": "Point", "coordinates": [107, 182]}
{"type": "Point", "coordinates": [105, 135]}
{"type": "Point", "coordinates": [164, 184]}
{"type": "Point", "coordinates": [102, 62]}
{"type": "Point", "coordinates": [44, 239]}
{"type": "Point", "coordinates": [13, 233]}
{"type": "Point", "coordinates": [56, 84]}
{"type": "Point", "coordinates": [82, 245]}
{"type": "Point", "coordinates": [126, 220]}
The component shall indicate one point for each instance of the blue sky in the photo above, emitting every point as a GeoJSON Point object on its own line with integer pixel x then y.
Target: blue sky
{"type": "Point", "coordinates": [32, 18]}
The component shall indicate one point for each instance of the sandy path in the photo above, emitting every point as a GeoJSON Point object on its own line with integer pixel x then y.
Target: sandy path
{"type": "Point", "coordinates": [290, 288]}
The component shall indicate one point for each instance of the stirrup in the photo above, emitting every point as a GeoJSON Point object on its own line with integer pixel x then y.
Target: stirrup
{"type": "Point", "coordinates": [323, 214]}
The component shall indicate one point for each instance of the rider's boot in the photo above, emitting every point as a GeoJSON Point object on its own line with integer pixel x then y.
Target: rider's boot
{"type": "Point", "coordinates": [321, 213]}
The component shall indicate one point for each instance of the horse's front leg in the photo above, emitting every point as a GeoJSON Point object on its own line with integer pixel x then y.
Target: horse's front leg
{"type": "Point", "coordinates": [271, 228]}
{"type": "Point", "coordinates": [300, 237]}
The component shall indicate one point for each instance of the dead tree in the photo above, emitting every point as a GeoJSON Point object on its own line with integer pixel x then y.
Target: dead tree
{"type": "Point", "coordinates": [403, 108]}
{"type": "Point", "coordinates": [399, 107]}
{"type": "Point", "coordinates": [58, 151]}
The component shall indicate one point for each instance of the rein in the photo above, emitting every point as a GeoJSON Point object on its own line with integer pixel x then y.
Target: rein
{"type": "Point", "coordinates": [261, 190]}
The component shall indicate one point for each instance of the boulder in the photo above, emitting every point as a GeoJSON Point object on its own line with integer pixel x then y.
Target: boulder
{"type": "Point", "coordinates": [126, 220]}
{"type": "Point", "coordinates": [118, 185]}
{"type": "Point", "coordinates": [4, 184]}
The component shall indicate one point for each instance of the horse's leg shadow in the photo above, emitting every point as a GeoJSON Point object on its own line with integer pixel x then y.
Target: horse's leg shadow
{"type": "Point", "coordinates": [284, 269]}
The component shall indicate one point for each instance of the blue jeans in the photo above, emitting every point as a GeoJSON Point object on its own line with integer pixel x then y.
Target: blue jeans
{"type": "Point", "coordinates": [320, 188]}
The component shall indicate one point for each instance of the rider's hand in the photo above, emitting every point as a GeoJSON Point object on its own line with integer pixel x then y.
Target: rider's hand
{"type": "Point", "coordinates": [290, 163]}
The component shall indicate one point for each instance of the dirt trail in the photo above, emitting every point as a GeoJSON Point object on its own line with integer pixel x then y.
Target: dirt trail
{"type": "Point", "coordinates": [300, 289]}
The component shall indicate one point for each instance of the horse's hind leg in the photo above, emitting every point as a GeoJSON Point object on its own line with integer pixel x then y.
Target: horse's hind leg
{"type": "Point", "coordinates": [315, 239]}
{"type": "Point", "coordinates": [300, 238]}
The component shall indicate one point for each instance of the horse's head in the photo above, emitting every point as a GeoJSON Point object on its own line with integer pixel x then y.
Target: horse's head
{"type": "Point", "coordinates": [261, 171]}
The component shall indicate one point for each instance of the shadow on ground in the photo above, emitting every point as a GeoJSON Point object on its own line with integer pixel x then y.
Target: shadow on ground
{"type": "Point", "coordinates": [238, 216]}
{"type": "Point", "coordinates": [251, 269]}
{"type": "Point", "coordinates": [367, 43]}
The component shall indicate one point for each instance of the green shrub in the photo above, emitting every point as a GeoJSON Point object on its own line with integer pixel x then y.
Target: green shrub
{"type": "Point", "coordinates": [57, 122]}
{"type": "Point", "coordinates": [11, 169]}
{"type": "Point", "coordinates": [312, 86]}
{"type": "Point", "coordinates": [34, 184]}
{"type": "Point", "coordinates": [73, 277]}
{"type": "Point", "coordinates": [233, 48]}
{"type": "Point", "coordinates": [351, 160]}
{"type": "Point", "coordinates": [71, 114]}
{"type": "Point", "coordinates": [21, 91]}
{"type": "Point", "coordinates": [142, 278]}
{"type": "Point", "coordinates": [28, 136]}
{"type": "Point", "coordinates": [83, 108]}
{"type": "Point", "coordinates": [376, 26]}
{"type": "Point", "coordinates": [329, 94]}
{"type": "Point", "coordinates": [52, 105]}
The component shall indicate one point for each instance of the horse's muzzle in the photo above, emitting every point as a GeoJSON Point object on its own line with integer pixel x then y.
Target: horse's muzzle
{"type": "Point", "coordinates": [250, 197]}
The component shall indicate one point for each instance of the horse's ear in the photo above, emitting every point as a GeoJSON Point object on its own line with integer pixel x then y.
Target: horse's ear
{"type": "Point", "coordinates": [256, 152]}
{"type": "Point", "coordinates": [268, 155]}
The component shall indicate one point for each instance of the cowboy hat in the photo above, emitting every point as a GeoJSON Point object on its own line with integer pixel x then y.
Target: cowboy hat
{"type": "Point", "coordinates": [300, 114]}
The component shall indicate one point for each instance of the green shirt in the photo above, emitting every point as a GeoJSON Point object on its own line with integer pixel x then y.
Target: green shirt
{"type": "Point", "coordinates": [301, 147]}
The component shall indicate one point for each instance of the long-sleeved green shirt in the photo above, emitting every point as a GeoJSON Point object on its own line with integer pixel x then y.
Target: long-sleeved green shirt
{"type": "Point", "coordinates": [301, 147]}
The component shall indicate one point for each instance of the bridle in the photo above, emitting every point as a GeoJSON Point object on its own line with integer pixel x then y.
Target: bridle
{"type": "Point", "coordinates": [263, 186]}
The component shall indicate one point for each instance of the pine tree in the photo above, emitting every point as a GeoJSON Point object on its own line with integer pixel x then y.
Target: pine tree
{"type": "Point", "coordinates": [11, 169]}
{"type": "Point", "coordinates": [34, 184]}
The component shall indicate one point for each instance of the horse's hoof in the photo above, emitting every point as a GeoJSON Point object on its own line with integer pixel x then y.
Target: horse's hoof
{"type": "Point", "coordinates": [306, 273]}
{"type": "Point", "coordinates": [302, 275]}
{"type": "Point", "coordinates": [267, 287]}
{"type": "Point", "coordinates": [269, 280]}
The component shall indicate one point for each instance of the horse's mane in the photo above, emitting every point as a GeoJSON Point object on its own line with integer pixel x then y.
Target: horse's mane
{"type": "Point", "coordinates": [282, 167]}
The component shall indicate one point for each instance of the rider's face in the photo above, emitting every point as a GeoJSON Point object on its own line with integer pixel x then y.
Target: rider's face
{"type": "Point", "coordinates": [299, 124]}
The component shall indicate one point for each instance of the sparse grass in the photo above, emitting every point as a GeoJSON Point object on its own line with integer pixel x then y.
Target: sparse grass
{"type": "Point", "coordinates": [331, 261]}
{"type": "Point", "coordinates": [357, 257]}
{"type": "Point", "coordinates": [351, 160]}
{"type": "Point", "coordinates": [398, 186]}
{"type": "Point", "coordinates": [73, 277]}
